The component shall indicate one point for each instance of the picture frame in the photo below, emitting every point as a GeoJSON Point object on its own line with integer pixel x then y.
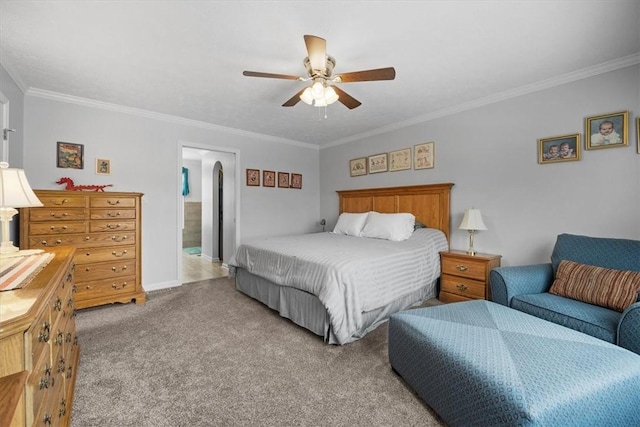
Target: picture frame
{"type": "Point", "coordinates": [400, 160]}
{"type": "Point", "coordinates": [283, 179]}
{"type": "Point", "coordinates": [296, 180]}
{"type": "Point", "coordinates": [378, 163]}
{"type": "Point", "coordinates": [268, 178]}
{"type": "Point", "coordinates": [70, 155]}
{"type": "Point", "coordinates": [555, 149]}
{"type": "Point", "coordinates": [358, 167]}
{"type": "Point", "coordinates": [103, 167]}
{"type": "Point", "coordinates": [253, 177]}
{"type": "Point", "coordinates": [638, 132]}
{"type": "Point", "coordinates": [424, 155]}
{"type": "Point", "coordinates": [606, 131]}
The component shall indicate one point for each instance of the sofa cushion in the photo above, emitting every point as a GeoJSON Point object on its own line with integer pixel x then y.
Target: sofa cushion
{"type": "Point", "coordinates": [590, 319]}
{"type": "Point", "coordinates": [619, 254]}
{"type": "Point", "coordinates": [614, 289]}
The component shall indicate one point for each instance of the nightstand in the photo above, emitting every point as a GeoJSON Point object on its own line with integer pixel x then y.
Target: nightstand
{"type": "Point", "coordinates": [466, 277]}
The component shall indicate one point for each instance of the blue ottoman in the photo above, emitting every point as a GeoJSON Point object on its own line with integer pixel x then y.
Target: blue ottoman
{"type": "Point", "coordinates": [481, 363]}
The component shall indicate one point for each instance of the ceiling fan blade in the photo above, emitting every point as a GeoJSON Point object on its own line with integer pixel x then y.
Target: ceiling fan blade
{"type": "Point", "coordinates": [317, 50]}
{"type": "Point", "coordinates": [294, 99]}
{"type": "Point", "coordinates": [349, 101]}
{"type": "Point", "coordinates": [270, 75]}
{"type": "Point", "coordinates": [367, 75]}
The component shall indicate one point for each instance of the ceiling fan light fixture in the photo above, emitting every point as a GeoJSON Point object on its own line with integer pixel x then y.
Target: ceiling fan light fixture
{"type": "Point", "coordinates": [330, 95]}
{"type": "Point", "coordinates": [306, 96]}
{"type": "Point", "coordinates": [317, 90]}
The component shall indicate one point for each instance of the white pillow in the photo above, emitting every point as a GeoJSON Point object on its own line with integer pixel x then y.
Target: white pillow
{"type": "Point", "coordinates": [396, 227]}
{"type": "Point", "coordinates": [350, 223]}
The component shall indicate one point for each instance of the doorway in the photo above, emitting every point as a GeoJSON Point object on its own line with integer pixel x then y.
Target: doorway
{"type": "Point", "coordinates": [207, 230]}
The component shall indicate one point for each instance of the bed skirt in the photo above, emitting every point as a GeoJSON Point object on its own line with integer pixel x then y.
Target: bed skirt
{"type": "Point", "coordinates": [306, 310]}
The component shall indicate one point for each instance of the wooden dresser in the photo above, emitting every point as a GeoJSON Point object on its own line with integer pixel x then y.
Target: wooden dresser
{"type": "Point", "coordinates": [38, 339]}
{"type": "Point", "coordinates": [466, 277]}
{"type": "Point", "coordinates": [105, 228]}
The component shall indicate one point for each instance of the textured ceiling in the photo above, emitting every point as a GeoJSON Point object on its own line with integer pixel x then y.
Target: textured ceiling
{"type": "Point", "coordinates": [185, 58]}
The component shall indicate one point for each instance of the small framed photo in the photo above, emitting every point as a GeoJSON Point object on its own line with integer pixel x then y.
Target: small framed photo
{"type": "Point", "coordinates": [638, 133]}
{"type": "Point", "coordinates": [268, 178]}
{"type": "Point", "coordinates": [253, 177]}
{"type": "Point", "coordinates": [296, 180]}
{"type": "Point", "coordinates": [378, 163]}
{"type": "Point", "coordinates": [424, 155]}
{"type": "Point", "coordinates": [103, 166]}
{"type": "Point", "coordinates": [358, 167]}
{"type": "Point", "coordinates": [400, 160]}
{"type": "Point", "coordinates": [606, 131]}
{"type": "Point", "coordinates": [556, 149]}
{"type": "Point", "coordinates": [283, 179]}
{"type": "Point", "coordinates": [70, 155]}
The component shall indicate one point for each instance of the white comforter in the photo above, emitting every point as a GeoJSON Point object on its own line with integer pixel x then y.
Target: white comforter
{"type": "Point", "coordinates": [350, 275]}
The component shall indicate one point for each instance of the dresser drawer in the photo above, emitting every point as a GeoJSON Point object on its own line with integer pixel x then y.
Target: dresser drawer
{"type": "Point", "coordinates": [57, 214]}
{"type": "Point", "coordinates": [466, 268]}
{"type": "Point", "coordinates": [113, 214]}
{"type": "Point", "coordinates": [462, 286]}
{"type": "Point", "coordinates": [114, 225]}
{"type": "Point", "coordinates": [59, 227]}
{"type": "Point", "coordinates": [66, 201]}
{"type": "Point", "coordinates": [100, 254]}
{"type": "Point", "coordinates": [113, 202]}
{"type": "Point", "coordinates": [105, 288]}
{"type": "Point", "coordinates": [40, 334]}
{"type": "Point", "coordinates": [41, 383]}
{"type": "Point", "coordinates": [110, 270]}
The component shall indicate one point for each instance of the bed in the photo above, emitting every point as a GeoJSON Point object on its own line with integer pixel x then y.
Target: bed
{"type": "Point", "coordinates": [341, 287]}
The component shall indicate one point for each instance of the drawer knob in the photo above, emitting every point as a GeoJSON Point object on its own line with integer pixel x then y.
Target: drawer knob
{"type": "Point", "coordinates": [461, 287]}
{"type": "Point", "coordinates": [47, 419]}
{"type": "Point", "coordinates": [113, 226]}
{"type": "Point", "coordinates": [58, 304]}
{"type": "Point", "coordinates": [116, 287]}
{"type": "Point", "coordinates": [62, 215]}
{"type": "Point", "coordinates": [59, 339]}
{"type": "Point", "coordinates": [59, 202]}
{"type": "Point", "coordinates": [112, 214]}
{"type": "Point", "coordinates": [45, 332]}
{"type": "Point", "coordinates": [118, 238]}
{"type": "Point", "coordinates": [114, 269]}
{"type": "Point", "coordinates": [114, 253]}
{"type": "Point", "coordinates": [63, 408]}
{"type": "Point", "coordinates": [461, 267]}
{"type": "Point", "coordinates": [111, 202]}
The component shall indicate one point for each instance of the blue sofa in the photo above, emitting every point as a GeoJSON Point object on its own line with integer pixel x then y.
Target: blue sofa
{"type": "Point", "coordinates": [526, 288]}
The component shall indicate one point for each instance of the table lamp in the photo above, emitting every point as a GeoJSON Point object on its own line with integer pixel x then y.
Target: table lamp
{"type": "Point", "coordinates": [15, 192]}
{"type": "Point", "coordinates": [472, 221]}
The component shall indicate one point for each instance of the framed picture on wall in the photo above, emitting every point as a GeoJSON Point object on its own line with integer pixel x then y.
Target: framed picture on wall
{"type": "Point", "coordinates": [606, 131]}
{"type": "Point", "coordinates": [424, 155]}
{"type": "Point", "coordinates": [296, 180]}
{"type": "Point", "coordinates": [103, 166]}
{"type": "Point", "coordinates": [358, 167]}
{"type": "Point", "coordinates": [400, 160]}
{"type": "Point", "coordinates": [556, 149]}
{"type": "Point", "coordinates": [70, 155]}
{"type": "Point", "coordinates": [253, 177]}
{"type": "Point", "coordinates": [378, 163]}
{"type": "Point", "coordinates": [283, 179]}
{"type": "Point", "coordinates": [268, 178]}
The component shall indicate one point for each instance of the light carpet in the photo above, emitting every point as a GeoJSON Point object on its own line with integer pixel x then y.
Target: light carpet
{"type": "Point", "coordinates": [205, 354]}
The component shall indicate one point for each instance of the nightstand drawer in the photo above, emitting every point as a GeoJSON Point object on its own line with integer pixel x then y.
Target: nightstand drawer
{"type": "Point", "coordinates": [464, 267]}
{"type": "Point", "coordinates": [464, 287]}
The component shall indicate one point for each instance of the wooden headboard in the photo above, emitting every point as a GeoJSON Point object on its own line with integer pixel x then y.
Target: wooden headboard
{"type": "Point", "coordinates": [428, 203]}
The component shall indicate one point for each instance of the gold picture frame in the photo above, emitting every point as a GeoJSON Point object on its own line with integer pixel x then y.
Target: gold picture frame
{"type": "Point", "coordinates": [400, 160]}
{"type": "Point", "coordinates": [283, 179]}
{"type": "Point", "coordinates": [424, 155]}
{"type": "Point", "coordinates": [358, 167]}
{"type": "Point", "coordinates": [70, 155]}
{"type": "Point", "coordinates": [378, 163]}
{"type": "Point", "coordinates": [564, 148]}
{"type": "Point", "coordinates": [296, 180]}
{"type": "Point", "coordinates": [103, 167]}
{"type": "Point", "coordinates": [268, 178]}
{"type": "Point", "coordinates": [606, 131]}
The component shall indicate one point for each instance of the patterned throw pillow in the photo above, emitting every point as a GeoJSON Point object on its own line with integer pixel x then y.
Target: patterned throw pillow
{"type": "Point", "coordinates": [614, 289]}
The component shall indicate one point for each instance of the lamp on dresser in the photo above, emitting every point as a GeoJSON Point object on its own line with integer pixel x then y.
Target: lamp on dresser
{"type": "Point", "coordinates": [472, 222]}
{"type": "Point", "coordinates": [15, 192]}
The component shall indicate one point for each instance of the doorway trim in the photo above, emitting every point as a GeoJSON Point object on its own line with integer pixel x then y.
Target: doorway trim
{"type": "Point", "coordinates": [178, 174]}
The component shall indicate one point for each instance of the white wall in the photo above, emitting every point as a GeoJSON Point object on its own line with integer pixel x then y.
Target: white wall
{"type": "Point", "coordinates": [490, 154]}
{"type": "Point", "coordinates": [143, 154]}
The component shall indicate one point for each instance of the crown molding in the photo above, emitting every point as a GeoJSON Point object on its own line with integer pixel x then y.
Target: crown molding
{"type": "Point", "coordinates": [60, 97]}
{"type": "Point", "coordinates": [605, 67]}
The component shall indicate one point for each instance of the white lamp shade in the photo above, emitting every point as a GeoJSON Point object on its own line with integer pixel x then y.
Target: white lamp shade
{"type": "Point", "coordinates": [15, 191]}
{"type": "Point", "coordinates": [472, 220]}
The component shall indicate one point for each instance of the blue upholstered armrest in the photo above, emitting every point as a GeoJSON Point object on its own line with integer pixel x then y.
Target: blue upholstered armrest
{"type": "Point", "coordinates": [629, 328]}
{"type": "Point", "coordinates": [507, 282]}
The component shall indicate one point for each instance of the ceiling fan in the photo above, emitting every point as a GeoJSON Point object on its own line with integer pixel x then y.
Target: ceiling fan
{"type": "Point", "coordinates": [323, 90]}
